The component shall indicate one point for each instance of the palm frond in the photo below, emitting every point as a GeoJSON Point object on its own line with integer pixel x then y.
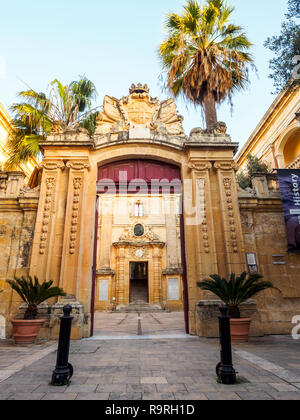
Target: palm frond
{"type": "Point", "coordinates": [204, 53]}
{"type": "Point", "coordinates": [237, 289]}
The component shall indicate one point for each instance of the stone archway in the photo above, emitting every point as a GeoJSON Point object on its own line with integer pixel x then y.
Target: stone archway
{"type": "Point", "coordinates": [64, 233]}
{"type": "Point", "coordinates": [119, 246]}
{"type": "Point", "coordinates": [287, 148]}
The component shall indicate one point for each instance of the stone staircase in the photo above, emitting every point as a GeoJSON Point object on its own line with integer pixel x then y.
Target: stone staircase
{"type": "Point", "coordinates": [139, 306]}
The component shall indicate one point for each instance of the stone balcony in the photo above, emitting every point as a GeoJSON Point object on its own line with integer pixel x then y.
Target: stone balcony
{"type": "Point", "coordinates": [295, 164]}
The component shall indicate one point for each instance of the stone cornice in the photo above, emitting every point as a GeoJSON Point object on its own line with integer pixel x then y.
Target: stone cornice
{"type": "Point", "coordinates": [139, 244]}
{"type": "Point", "coordinates": [161, 141]}
{"type": "Point", "coordinates": [200, 145]}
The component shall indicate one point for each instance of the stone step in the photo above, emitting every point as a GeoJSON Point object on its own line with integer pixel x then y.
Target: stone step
{"type": "Point", "coordinates": [139, 308]}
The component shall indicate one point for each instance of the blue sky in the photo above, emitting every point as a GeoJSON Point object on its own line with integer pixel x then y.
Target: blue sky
{"type": "Point", "coordinates": [114, 44]}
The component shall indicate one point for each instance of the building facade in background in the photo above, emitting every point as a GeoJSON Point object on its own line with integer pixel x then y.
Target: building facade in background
{"type": "Point", "coordinates": [276, 139]}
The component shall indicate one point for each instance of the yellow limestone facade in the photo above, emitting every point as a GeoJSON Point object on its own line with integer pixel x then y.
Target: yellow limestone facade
{"type": "Point", "coordinates": [276, 139]}
{"type": "Point", "coordinates": [96, 245]}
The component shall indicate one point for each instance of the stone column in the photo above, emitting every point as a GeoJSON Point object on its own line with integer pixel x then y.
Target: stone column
{"type": "Point", "coordinates": [74, 227]}
{"type": "Point", "coordinates": [51, 198]}
{"type": "Point", "coordinates": [204, 219]}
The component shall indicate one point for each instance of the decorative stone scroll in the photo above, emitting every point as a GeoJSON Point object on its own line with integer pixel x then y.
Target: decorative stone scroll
{"type": "Point", "coordinates": [77, 183]}
{"type": "Point", "coordinates": [50, 184]}
{"type": "Point", "coordinates": [227, 184]}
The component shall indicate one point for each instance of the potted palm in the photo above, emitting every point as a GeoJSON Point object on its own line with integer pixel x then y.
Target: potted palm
{"type": "Point", "coordinates": [33, 294]}
{"type": "Point", "coordinates": [233, 293]}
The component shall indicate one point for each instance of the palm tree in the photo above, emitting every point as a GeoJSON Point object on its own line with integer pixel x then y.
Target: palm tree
{"type": "Point", "coordinates": [235, 291]}
{"type": "Point", "coordinates": [38, 114]}
{"type": "Point", "coordinates": [205, 56]}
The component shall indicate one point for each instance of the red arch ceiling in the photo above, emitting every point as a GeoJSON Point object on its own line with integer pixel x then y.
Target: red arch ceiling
{"type": "Point", "coordinates": [146, 170]}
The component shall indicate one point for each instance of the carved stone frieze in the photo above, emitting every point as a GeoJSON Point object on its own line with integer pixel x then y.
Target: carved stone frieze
{"type": "Point", "coordinates": [201, 192]}
{"type": "Point", "coordinates": [28, 192]}
{"type": "Point", "coordinates": [50, 185]}
{"type": "Point", "coordinates": [230, 211]}
{"type": "Point", "coordinates": [77, 184]}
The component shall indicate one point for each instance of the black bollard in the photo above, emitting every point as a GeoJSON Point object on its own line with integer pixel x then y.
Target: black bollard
{"type": "Point", "coordinates": [225, 370]}
{"type": "Point", "coordinates": [64, 370]}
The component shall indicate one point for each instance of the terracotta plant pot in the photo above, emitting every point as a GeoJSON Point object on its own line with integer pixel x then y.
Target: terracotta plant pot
{"type": "Point", "coordinates": [25, 331]}
{"type": "Point", "coordinates": [239, 329]}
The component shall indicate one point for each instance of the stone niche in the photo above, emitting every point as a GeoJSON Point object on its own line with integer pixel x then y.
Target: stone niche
{"type": "Point", "coordinates": [207, 318]}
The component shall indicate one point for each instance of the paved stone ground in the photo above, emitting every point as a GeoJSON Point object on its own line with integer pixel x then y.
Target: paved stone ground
{"type": "Point", "coordinates": [163, 369]}
{"type": "Point", "coordinates": [129, 325]}
{"type": "Point", "coordinates": [14, 358]}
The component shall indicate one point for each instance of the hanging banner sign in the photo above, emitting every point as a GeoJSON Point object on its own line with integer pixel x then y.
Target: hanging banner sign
{"type": "Point", "coordinates": [289, 181]}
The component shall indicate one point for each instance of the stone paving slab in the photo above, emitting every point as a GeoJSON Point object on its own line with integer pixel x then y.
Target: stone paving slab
{"type": "Point", "coordinates": [14, 358]}
{"type": "Point", "coordinates": [160, 369]}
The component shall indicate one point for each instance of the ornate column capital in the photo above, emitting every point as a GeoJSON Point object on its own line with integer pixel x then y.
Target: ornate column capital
{"type": "Point", "coordinates": [52, 164]}
{"type": "Point", "coordinates": [226, 165]}
{"type": "Point", "coordinates": [200, 165]}
{"type": "Point", "coordinates": [78, 164]}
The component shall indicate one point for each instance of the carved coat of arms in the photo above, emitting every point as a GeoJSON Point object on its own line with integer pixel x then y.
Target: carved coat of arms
{"type": "Point", "coordinates": [139, 109]}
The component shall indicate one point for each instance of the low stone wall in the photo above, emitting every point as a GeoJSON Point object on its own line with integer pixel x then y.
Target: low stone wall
{"type": "Point", "coordinates": [18, 211]}
{"type": "Point", "coordinates": [207, 318]}
{"type": "Point", "coordinates": [264, 234]}
{"type": "Point", "coordinates": [52, 315]}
